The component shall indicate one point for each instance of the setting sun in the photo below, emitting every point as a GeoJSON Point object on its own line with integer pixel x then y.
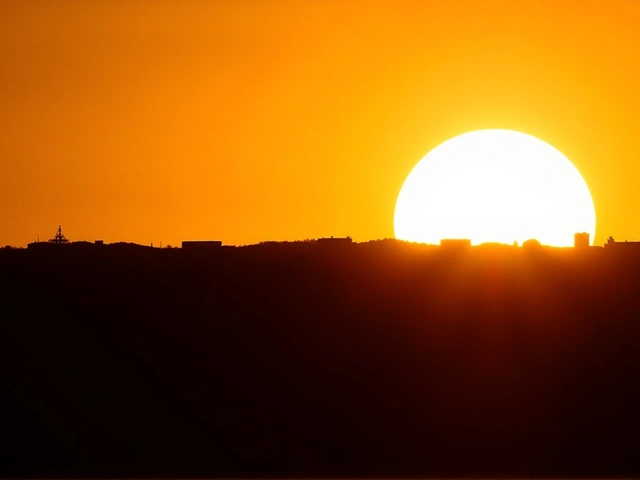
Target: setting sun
{"type": "Point", "coordinates": [494, 186]}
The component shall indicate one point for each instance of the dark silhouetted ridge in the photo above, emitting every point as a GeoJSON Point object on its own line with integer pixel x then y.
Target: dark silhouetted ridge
{"type": "Point", "coordinates": [294, 360]}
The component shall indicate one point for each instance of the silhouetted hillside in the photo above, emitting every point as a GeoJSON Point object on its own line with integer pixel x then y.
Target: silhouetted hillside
{"type": "Point", "coordinates": [374, 359]}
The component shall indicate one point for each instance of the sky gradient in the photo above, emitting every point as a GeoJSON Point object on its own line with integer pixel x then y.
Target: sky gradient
{"type": "Point", "coordinates": [242, 121]}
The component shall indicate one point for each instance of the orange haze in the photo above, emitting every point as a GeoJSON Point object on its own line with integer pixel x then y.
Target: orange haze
{"type": "Point", "coordinates": [246, 120]}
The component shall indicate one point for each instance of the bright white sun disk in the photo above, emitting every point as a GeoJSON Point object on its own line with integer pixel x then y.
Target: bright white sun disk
{"type": "Point", "coordinates": [494, 186]}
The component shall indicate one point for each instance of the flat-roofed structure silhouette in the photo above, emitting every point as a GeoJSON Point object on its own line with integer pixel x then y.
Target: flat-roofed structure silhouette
{"type": "Point", "coordinates": [623, 246]}
{"type": "Point", "coordinates": [581, 240]}
{"type": "Point", "coordinates": [201, 245]}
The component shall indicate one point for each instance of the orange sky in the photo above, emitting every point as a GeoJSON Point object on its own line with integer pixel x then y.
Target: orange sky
{"type": "Point", "coordinates": [150, 121]}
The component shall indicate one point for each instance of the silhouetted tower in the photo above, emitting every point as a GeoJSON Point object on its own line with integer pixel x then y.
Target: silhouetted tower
{"type": "Point", "coordinates": [581, 240]}
{"type": "Point", "coordinates": [59, 238]}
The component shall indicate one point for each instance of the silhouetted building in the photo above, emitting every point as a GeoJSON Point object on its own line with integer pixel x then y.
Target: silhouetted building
{"type": "Point", "coordinates": [34, 245]}
{"type": "Point", "coordinates": [455, 243]}
{"type": "Point", "coordinates": [581, 240]}
{"type": "Point", "coordinates": [99, 242]}
{"type": "Point", "coordinates": [625, 246]}
{"type": "Point", "coordinates": [335, 241]}
{"type": "Point", "coordinates": [201, 245]}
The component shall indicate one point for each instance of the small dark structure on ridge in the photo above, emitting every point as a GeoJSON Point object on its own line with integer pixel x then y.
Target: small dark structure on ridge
{"type": "Point", "coordinates": [201, 245]}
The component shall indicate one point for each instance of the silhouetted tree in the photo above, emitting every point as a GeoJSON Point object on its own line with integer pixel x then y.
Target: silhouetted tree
{"type": "Point", "coordinates": [531, 243]}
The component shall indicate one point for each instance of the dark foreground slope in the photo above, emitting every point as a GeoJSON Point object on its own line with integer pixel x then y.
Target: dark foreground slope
{"type": "Point", "coordinates": [379, 359]}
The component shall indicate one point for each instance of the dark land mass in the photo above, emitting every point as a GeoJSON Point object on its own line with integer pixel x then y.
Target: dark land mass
{"type": "Point", "coordinates": [301, 360]}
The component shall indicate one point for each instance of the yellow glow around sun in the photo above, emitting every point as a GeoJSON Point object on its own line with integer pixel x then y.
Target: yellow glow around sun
{"type": "Point", "coordinates": [494, 186]}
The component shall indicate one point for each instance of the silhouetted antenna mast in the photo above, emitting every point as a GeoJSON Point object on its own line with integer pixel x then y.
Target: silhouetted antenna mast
{"type": "Point", "coordinates": [59, 237]}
